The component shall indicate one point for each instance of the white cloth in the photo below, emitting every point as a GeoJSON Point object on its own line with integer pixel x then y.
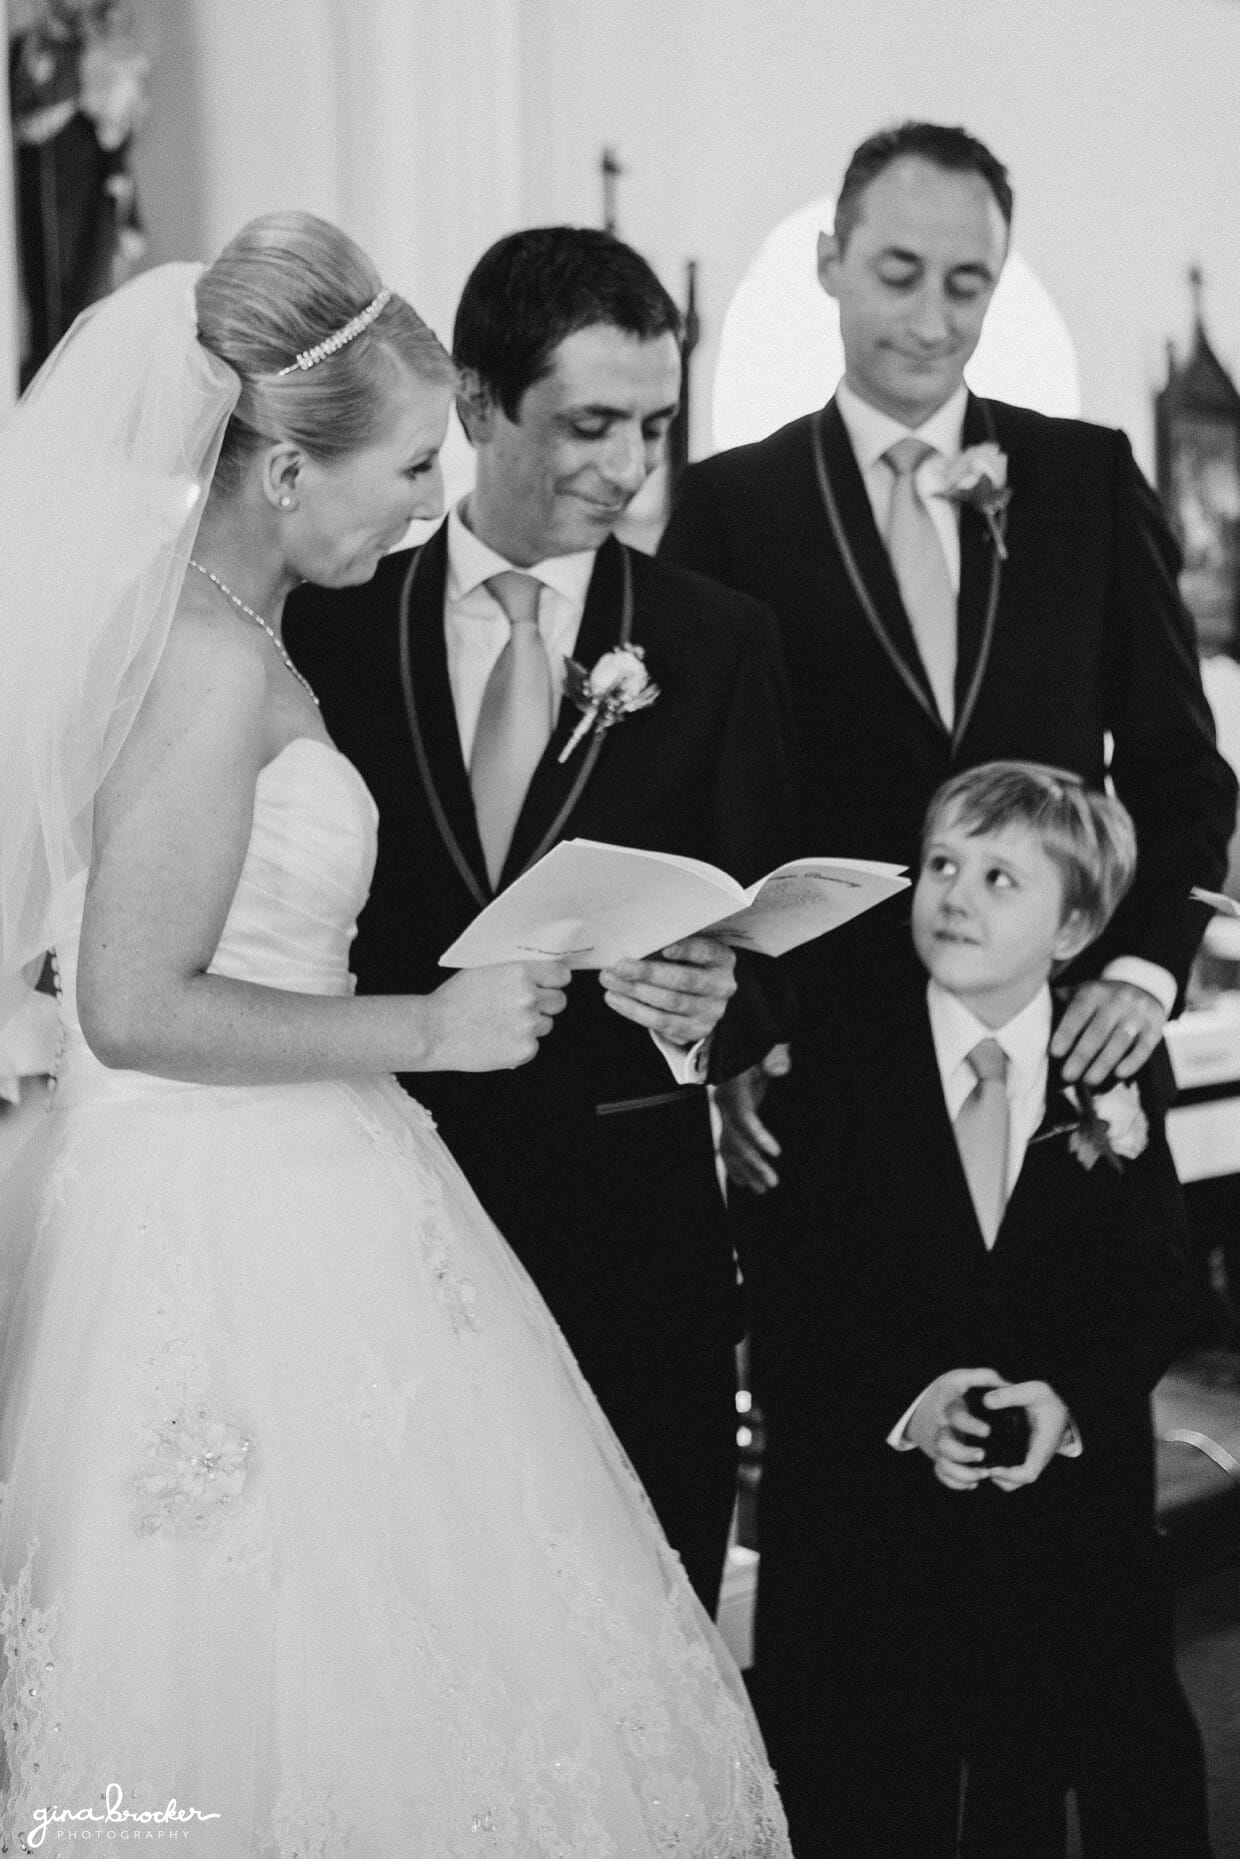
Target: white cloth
{"type": "Point", "coordinates": [29, 1035]}
{"type": "Point", "coordinates": [310, 1521]}
{"type": "Point", "coordinates": [476, 630]}
{"type": "Point", "coordinates": [870, 434]}
{"type": "Point", "coordinates": [104, 468]}
{"type": "Point", "coordinates": [955, 1030]}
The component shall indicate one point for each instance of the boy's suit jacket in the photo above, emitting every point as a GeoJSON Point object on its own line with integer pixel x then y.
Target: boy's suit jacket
{"type": "Point", "coordinates": [875, 1279]}
{"type": "Point", "coordinates": [595, 1166]}
{"type": "Point", "coordinates": [1079, 633]}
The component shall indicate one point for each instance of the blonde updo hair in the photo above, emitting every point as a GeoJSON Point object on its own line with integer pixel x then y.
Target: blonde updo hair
{"type": "Point", "coordinates": [285, 283]}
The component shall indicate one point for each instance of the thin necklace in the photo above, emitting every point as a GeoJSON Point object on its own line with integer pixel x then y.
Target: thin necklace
{"type": "Point", "coordinates": [258, 620]}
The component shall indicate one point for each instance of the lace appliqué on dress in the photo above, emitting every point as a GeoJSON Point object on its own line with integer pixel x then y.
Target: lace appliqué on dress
{"type": "Point", "coordinates": [655, 1692]}
{"type": "Point", "coordinates": [27, 1701]}
{"type": "Point", "coordinates": [394, 1137]}
{"type": "Point", "coordinates": [305, 1825]}
{"type": "Point", "coordinates": [196, 1457]}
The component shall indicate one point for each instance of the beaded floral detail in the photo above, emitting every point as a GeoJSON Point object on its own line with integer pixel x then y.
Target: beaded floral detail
{"type": "Point", "coordinates": [193, 1471]}
{"type": "Point", "coordinates": [196, 1456]}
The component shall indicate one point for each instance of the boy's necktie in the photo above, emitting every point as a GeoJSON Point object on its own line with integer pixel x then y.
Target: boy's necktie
{"type": "Point", "coordinates": [921, 572]}
{"type": "Point", "coordinates": [982, 1135]}
{"type": "Point", "coordinates": [514, 722]}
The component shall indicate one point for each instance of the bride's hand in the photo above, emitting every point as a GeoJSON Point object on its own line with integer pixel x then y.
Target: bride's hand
{"type": "Point", "coordinates": [491, 1019]}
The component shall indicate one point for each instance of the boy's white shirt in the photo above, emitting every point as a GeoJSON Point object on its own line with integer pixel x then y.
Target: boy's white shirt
{"type": "Point", "coordinates": [1026, 1040]}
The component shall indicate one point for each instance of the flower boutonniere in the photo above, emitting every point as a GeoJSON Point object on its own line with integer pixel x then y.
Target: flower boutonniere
{"type": "Point", "coordinates": [1112, 1127]}
{"type": "Point", "coordinates": [615, 686]}
{"type": "Point", "coordinates": [979, 478]}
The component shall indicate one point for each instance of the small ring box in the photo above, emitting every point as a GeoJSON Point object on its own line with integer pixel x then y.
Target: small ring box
{"type": "Point", "coordinates": [1007, 1443]}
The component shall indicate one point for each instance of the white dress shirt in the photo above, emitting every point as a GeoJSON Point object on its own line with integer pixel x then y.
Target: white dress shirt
{"type": "Point", "coordinates": [476, 630]}
{"type": "Point", "coordinates": [871, 433]}
{"type": "Point", "coordinates": [1025, 1039]}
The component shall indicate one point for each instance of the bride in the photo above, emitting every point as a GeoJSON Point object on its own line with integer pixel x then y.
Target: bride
{"type": "Point", "coordinates": [313, 1542]}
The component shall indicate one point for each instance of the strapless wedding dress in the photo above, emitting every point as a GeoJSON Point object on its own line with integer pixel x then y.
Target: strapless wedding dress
{"type": "Point", "coordinates": [310, 1525]}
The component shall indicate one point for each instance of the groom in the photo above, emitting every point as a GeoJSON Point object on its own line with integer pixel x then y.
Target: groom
{"type": "Point", "coordinates": [444, 681]}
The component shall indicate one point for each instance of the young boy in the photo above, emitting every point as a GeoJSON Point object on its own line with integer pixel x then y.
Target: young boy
{"type": "Point", "coordinates": [945, 1647]}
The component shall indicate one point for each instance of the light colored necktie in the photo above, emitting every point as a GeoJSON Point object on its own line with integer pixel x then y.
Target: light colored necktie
{"type": "Point", "coordinates": [921, 572]}
{"type": "Point", "coordinates": [514, 722]}
{"type": "Point", "coordinates": [982, 1135]}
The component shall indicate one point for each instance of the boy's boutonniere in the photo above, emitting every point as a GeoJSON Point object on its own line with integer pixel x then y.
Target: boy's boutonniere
{"type": "Point", "coordinates": [979, 478]}
{"type": "Point", "coordinates": [617, 685]}
{"type": "Point", "coordinates": [1113, 1127]}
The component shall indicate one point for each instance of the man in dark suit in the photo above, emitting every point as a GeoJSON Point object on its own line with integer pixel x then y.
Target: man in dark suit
{"type": "Point", "coordinates": [595, 1160]}
{"type": "Point", "coordinates": [951, 1218]}
{"type": "Point", "coordinates": [1030, 611]}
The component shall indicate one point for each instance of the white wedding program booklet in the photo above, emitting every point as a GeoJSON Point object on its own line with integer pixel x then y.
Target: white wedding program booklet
{"type": "Point", "coordinates": [590, 904]}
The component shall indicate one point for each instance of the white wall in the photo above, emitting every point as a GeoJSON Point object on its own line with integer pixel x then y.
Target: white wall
{"type": "Point", "coordinates": [428, 127]}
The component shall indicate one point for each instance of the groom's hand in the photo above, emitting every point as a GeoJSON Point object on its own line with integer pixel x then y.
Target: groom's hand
{"type": "Point", "coordinates": [681, 993]}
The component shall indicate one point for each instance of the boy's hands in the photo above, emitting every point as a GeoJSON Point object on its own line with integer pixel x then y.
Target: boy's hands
{"type": "Point", "coordinates": [942, 1427]}
{"type": "Point", "coordinates": [1048, 1421]}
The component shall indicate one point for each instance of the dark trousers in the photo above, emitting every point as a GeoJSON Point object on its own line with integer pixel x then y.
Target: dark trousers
{"type": "Point", "coordinates": [930, 1712]}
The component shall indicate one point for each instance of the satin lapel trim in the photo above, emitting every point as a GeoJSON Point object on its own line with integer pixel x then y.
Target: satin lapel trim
{"type": "Point", "coordinates": [976, 543]}
{"type": "Point", "coordinates": [472, 870]}
{"type": "Point", "coordinates": [911, 675]}
{"type": "Point", "coordinates": [546, 786]}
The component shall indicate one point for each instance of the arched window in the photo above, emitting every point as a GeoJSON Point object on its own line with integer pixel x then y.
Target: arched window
{"type": "Point", "coordinates": [780, 354]}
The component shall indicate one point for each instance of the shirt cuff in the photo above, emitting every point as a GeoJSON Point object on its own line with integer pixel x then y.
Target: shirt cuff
{"type": "Point", "coordinates": [1159, 982]}
{"type": "Point", "coordinates": [687, 1064]}
{"type": "Point", "coordinates": [898, 1436]}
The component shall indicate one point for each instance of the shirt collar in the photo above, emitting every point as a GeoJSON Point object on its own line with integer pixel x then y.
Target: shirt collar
{"type": "Point", "coordinates": [872, 432]}
{"type": "Point", "coordinates": [956, 1029]}
{"type": "Point", "coordinates": [472, 561]}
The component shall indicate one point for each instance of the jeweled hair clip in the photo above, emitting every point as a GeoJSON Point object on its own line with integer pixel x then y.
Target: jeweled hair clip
{"type": "Point", "coordinates": [338, 338]}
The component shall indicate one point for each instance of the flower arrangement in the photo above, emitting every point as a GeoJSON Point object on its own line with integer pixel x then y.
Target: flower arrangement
{"type": "Point", "coordinates": [617, 685]}
{"type": "Point", "coordinates": [979, 478]}
{"type": "Point", "coordinates": [1113, 1128]}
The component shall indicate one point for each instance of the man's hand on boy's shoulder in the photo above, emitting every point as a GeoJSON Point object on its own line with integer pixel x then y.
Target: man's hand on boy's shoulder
{"type": "Point", "coordinates": [1108, 1030]}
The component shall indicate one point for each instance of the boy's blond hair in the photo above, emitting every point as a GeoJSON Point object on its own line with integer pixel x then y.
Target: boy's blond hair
{"type": "Point", "coordinates": [1089, 836]}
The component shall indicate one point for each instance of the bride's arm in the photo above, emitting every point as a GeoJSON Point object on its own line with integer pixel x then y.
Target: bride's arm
{"type": "Point", "coordinates": [172, 823]}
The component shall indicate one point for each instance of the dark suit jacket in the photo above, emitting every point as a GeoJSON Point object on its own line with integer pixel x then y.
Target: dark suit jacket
{"type": "Point", "coordinates": [874, 1279]}
{"type": "Point", "coordinates": [1080, 633]}
{"type": "Point", "coordinates": [596, 1168]}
